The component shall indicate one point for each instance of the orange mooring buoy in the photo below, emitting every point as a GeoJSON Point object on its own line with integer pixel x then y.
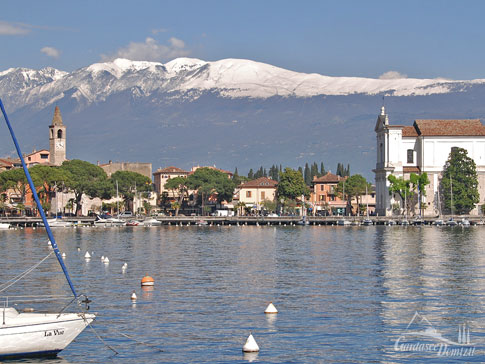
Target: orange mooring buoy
{"type": "Point", "coordinates": [147, 281]}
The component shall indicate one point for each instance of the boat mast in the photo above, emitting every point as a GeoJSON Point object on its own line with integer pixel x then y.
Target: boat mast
{"type": "Point", "coordinates": [117, 202]}
{"type": "Point", "coordinates": [451, 193]}
{"type": "Point", "coordinates": [367, 202]}
{"type": "Point", "coordinates": [37, 201]}
{"type": "Point", "coordinates": [405, 206]}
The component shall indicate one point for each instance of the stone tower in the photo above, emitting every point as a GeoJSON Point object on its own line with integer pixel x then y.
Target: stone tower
{"type": "Point", "coordinates": [57, 139]}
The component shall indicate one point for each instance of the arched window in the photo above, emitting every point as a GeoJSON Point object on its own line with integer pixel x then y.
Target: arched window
{"type": "Point", "coordinates": [59, 133]}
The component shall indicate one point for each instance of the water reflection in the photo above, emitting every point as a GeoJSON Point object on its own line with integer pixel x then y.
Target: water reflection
{"type": "Point", "coordinates": [344, 294]}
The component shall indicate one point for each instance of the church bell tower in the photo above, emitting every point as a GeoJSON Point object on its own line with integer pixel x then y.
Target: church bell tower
{"type": "Point", "coordinates": [57, 139]}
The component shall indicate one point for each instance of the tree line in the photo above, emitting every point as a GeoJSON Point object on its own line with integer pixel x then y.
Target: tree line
{"type": "Point", "coordinates": [76, 176]}
{"type": "Point", "coordinates": [309, 171]}
{"type": "Point", "coordinates": [457, 190]}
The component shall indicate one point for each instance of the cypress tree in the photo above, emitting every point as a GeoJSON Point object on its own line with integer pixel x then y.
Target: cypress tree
{"type": "Point", "coordinates": [307, 175]}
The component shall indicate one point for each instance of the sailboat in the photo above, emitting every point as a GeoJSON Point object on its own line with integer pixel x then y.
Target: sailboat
{"type": "Point", "coordinates": [451, 221]}
{"type": "Point", "coordinates": [26, 334]}
{"type": "Point", "coordinates": [56, 222]}
{"type": "Point", "coordinates": [108, 220]}
{"type": "Point", "coordinates": [367, 221]}
{"type": "Point", "coordinates": [439, 222]}
{"type": "Point", "coordinates": [303, 220]}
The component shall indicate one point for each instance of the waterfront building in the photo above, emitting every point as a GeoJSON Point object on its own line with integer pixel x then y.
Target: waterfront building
{"type": "Point", "coordinates": [162, 175]}
{"type": "Point", "coordinates": [423, 147]}
{"type": "Point", "coordinates": [57, 139]}
{"type": "Point", "coordinates": [254, 193]}
{"type": "Point", "coordinates": [324, 195]}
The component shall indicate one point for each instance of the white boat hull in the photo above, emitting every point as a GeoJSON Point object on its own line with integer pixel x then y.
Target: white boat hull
{"type": "Point", "coordinates": [152, 222]}
{"type": "Point", "coordinates": [109, 222]}
{"type": "Point", "coordinates": [38, 334]}
{"type": "Point", "coordinates": [4, 226]}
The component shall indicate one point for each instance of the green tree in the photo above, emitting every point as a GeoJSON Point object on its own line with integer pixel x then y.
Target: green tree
{"type": "Point", "coordinates": [269, 205]}
{"type": "Point", "coordinates": [419, 183]}
{"type": "Point", "coordinates": [314, 172]}
{"type": "Point", "coordinates": [251, 174]}
{"type": "Point", "coordinates": [355, 186]}
{"type": "Point", "coordinates": [307, 175]}
{"type": "Point", "coordinates": [208, 182]}
{"type": "Point", "coordinates": [292, 185]}
{"type": "Point", "coordinates": [86, 178]}
{"type": "Point", "coordinates": [47, 181]}
{"type": "Point", "coordinates": [179, 185]}
{"type": "Point", "coordinates": [130, 183]}
{"type": "Point", "coordinates": [460, 177]}
{"type": "Point", "coordinates": [402, 187]}
{"type": "Point", "coordinates": [15, 180]}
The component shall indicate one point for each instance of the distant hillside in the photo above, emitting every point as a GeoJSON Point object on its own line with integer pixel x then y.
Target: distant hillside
{"type": "Point", "coordinates": [228, 113]}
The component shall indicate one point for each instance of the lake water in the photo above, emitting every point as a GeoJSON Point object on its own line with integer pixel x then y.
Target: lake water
{"type": "Point", "coordinates": [344, 294]}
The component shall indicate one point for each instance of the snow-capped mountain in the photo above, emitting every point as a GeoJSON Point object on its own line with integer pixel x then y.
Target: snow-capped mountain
{"type": "Point", "coordinates": [234, 78]}
{"type": "Point", "coordinates": [230, 112]}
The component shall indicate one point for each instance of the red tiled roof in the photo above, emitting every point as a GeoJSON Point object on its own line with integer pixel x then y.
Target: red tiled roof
{"type": "Point", "coordinates": [329, 178]}
{"type": "Point", "coordinates": [409, 131]}
{"type": "Point", "coordinates": [439, 127]}
{"type": "Point", "coordinates": [171, 169]}
{"type": "Point", "coordinates": [6, 163]}
{"type": "Point", "coordinates": [262, 182]}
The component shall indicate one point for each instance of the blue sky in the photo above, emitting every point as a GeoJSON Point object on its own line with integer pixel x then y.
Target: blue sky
{"type": "Point", "coordinates": [422, 39]}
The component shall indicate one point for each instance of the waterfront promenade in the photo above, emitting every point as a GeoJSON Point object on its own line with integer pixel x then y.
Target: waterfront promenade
{"type": "Point", "coordinates": [248, 220]}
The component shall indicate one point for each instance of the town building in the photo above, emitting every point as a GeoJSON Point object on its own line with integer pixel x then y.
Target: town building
{"type": "Point", "coordinates": [162, 175]}
{"type": "Point", "coordinates": [8, 163]}
{"type": "Point", "coordinates": [423, 147]}
{"type": "Point", "coordinates": [57, 139]}
{"type": "Point", "coordinates": [324, 196]}
{"type": "Point", "coordinates": [37, 157]}
{"type": "Point", "coordinates": [144, 169]}
{"type": "Point", "coordinates": [254, 193]}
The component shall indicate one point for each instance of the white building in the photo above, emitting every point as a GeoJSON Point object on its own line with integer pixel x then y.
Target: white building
{"type": "Point", "coordinates": [424, 147]}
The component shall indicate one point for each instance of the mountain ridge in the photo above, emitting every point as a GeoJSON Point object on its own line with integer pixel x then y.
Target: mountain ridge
{"type": "Point", "coordinates": [188, 112]}
{"type": "Point", "coordinates": [228, 78]}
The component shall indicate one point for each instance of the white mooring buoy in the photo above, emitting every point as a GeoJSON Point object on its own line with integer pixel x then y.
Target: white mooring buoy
{"type": "Point", "coordinates": [102, 258]}
{"type": "Point", "coordinates": [133, 297]}
{"type": "Point", "coordinates": [87, 255]}
{"type": "Point", "coordinates": [271, 308]}
{"type": "Point", "coordinates": [106, 260]}
{"type": "Point", "coordinates": [63, 255]}
{"type": "Point", "coordinates": [251, 346]}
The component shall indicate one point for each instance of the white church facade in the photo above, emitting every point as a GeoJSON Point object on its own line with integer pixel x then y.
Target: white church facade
{"type": "Point", "coordinates": [424, 147]}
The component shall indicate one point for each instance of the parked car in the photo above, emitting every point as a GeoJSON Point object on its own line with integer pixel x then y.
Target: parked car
{"type": "Point", "coordinates": [126, 214]}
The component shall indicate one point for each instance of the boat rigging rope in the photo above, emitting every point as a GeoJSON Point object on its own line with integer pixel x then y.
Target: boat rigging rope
{"type": "Point", "coordinates": [99, 337]}
{"type": "Point", "coordinates": [14, 280]}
